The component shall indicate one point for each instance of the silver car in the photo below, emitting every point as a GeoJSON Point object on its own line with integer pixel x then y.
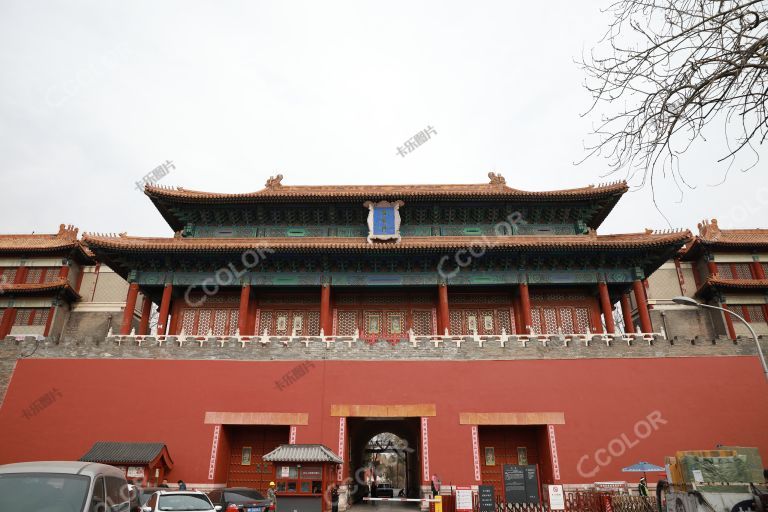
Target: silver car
{"type": "Point", "coordinates": [63, 487]}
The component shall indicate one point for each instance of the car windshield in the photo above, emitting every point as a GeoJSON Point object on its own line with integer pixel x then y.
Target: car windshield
{"type": "Point", "coordinates": [43, 492]}
{"type": "Point", "coordinates": [242, 496]}
{"type": "Point", "coordinates": [184, 502]}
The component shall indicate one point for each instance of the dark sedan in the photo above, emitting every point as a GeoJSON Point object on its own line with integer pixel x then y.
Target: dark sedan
{"type": "Point", "coordinates": [241, 499]}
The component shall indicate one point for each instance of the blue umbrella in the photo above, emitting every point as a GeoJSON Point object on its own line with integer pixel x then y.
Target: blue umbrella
{"type": "Point", "coordinates": [642, 467]}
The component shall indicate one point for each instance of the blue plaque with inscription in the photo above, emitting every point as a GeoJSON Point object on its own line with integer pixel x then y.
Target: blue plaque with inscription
{"type": "Point", "coordinates": [384, 220]}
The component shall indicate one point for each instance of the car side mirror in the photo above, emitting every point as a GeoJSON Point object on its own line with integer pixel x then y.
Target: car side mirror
{"type": "Point", "coordinates": [218, 508]}
{"type": "Point", "coordinates": [146, 509]}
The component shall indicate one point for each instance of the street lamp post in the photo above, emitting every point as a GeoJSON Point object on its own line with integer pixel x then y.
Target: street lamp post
{"type": "Point", "coordinates": [687, 301]}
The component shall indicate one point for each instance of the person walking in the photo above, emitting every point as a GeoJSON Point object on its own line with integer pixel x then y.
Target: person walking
{"type": "Point", "coordinates": [374, 492]}
{"type": "Point", "coordinates": [642, 488]}
{"type": "Point", "coordinates": [335, 498]}
{"type": "Point", "coordinates": [182, 485]}
{"type": "Point", "coordinates": [271, 496]}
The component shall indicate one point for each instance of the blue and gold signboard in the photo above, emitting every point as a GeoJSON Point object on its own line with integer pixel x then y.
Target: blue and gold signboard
{"type": "Point", "coordinates": [383, 221]}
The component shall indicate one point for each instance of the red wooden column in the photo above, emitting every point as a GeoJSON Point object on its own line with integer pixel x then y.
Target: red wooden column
{"type": "Point", "coordinates": [728, 322]}
{"type": "Point", "coordinates": [7, 322]}
{"type": "Point", "coordinates": [605, 306]}
{"type": "Point", "coordinates": [64, 272]}
{"type": "Point", "coordinates": [165, 307]}
{"type": "Point", "coordinates": [525, 308]}
{"type": "Point", "coordinates": [642, 306]}
{"type": "Point", "coordinates": [325, 310]}
{"type": "Point", "coordinates": [245, 297]}
{"type": "Point", "coordinates": [51, 312]}
{"type": "Point", "coordinates": [443, 316]}
{"type": "Point", "coordinates": [757, 269]}
{"type": "Point", "coordinates": [626, 311]}
{"type": "Point", "coordinates": [146, 309]}
{"type": "Point", "coordinates": [21, 275]}
{"type": "Point", "coordinates": [712, 266]}
{"type": "Point", "coordinates": [130, 305]}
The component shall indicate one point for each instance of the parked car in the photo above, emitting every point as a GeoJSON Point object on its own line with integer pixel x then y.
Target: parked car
{"type": "Point", "coordinates": [180, 501]}
{"type": "Point", "coordinates": [55, 486]}
{"type": "Point", "coordinates": [240, 499]}
{"type": "Point", "coordinates": [145, 493]}
{"type": "Point", "coordinates": [385, 491]}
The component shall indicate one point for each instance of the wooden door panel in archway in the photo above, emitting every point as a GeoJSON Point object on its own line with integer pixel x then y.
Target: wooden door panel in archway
{"type": "Point", "coordinates": [248, 444]}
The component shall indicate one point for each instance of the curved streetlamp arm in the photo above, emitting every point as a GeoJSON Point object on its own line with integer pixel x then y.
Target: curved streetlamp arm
{"type": "Point", "coordinates": [751, 330]}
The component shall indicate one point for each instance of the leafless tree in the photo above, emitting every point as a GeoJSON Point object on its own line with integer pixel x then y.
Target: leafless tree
{"type": "Point", "coordinates": [666, 70]}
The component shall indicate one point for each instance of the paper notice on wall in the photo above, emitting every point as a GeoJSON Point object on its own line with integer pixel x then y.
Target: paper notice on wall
{"type": "Point", "coordinates": [463, 498]}
{"type": "Point", "coordinates": [556, 497]}
{"type": "Point", "coordinates": [285, 471]}
{"type": "Point", "coordinates": [697, 476]}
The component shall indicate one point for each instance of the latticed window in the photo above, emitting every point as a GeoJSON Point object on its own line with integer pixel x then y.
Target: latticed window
{"type": "Point", "coordinates": [31, 316]}
{"type": "Point", "coordinates": [582, 320]}
{"type": "Point", "coordinates": [724, 270]}
{"type": "Point", "coordinates": [51, 275]}
{"type": "Point", "coordinates": [34, 275]}
{"type": "Point", "coordinates": [40, 316]}
{"type": "Point", "coordinates": [456, 318]}
{"type": "Point", "coordinates": [734, 270]}
{"type": "Point", "coordinates": [422, 322]}
{"type": "Point", "coordinates": [265, 322]}
{"type": "Point", "coordinates": [755, 313]}
{"type": "Point", "coordinates": [7, 275]}
{"type": "Point", "coordinates": [347, 323]}
{"type": "Point", "coordinates": [23, 315]}
{"type": "Point", "coordinates": [560, 319]}
{"type": "Point", "coordinates": [536, 321]}
{"type": "Point", "coordinates": [313, 323]}
{"type": "Point", "coordinates": [201, 321]}
{"type": "Point", "coordinates": [742, 270]}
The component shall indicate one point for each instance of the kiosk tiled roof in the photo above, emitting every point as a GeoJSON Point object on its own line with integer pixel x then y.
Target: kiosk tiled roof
{"type": "Point", "coordinates": [302, 453]}
{"type": "Point", "coordinates": [112, 452]}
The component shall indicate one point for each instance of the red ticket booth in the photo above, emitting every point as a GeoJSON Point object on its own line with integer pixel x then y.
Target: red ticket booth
{"type": "Point", "coordinates": [304, 474]}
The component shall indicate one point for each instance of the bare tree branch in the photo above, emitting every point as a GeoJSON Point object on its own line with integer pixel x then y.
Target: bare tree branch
{"type": "Point", "coordinates": [678, 66]}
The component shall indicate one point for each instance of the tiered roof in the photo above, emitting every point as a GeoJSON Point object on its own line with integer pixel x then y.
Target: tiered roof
{"type": "Point", "coordinates": [533, 243]}
{"type": "Point", "coordinates": [713, 239]}
{"type": "Point", "coordinates": [170, 200]}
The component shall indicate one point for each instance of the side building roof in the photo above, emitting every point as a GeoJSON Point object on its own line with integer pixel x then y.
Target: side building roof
{"type": "Point", "coordinates": [711, 237]}
{"type": "Point", "coordinates": [64, 242]}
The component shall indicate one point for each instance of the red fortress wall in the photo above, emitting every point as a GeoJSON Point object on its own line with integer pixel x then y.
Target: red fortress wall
{"type": "Point", "coordinates": [690, 403]}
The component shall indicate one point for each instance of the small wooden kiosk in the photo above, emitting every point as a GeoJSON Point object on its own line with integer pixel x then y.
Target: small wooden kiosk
{"type": "Point", "coordinates": [148, 462]}
{"type": "Point", "coordinates": [304, 474]}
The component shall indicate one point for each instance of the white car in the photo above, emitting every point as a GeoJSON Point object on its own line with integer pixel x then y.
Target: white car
{"type": "Point", "coordinates": [180, 501]}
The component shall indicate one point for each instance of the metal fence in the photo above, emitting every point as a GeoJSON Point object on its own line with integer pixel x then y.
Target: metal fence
{"type": "Point", "coordinates": [577, 501]}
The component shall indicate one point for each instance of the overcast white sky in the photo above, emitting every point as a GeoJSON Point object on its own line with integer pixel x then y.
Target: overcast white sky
{"type": "Point", "coordinates": [94, 95]}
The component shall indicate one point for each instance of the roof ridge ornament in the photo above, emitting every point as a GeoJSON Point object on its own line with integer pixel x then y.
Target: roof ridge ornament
{"type": "Point", "coordinates": [709, 229]}
{"type": "Point", "coordinates": [68, 231]}
{"type": "Point", "coordinates": [496, 178]}
{"type": "Point", "coordinates": [274, 182]}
